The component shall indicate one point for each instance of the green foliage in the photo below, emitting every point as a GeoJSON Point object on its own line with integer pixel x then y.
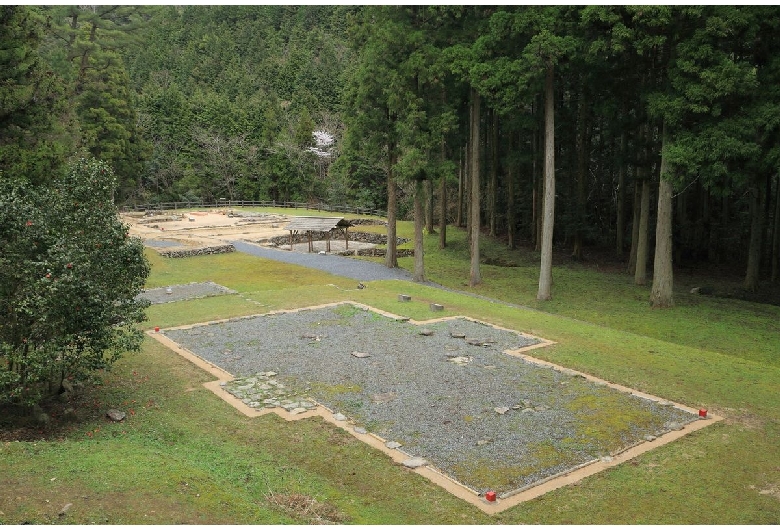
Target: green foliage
{"type": "Point", "coordinates": [33, 142]}
{"type": "Point", "coordinates": [262, 77]}
{"type": "Point", "coordinates": [69, 278]}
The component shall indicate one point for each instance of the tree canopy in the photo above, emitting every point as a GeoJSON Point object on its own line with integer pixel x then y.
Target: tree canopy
{"type": "Point", "coordinates": [653, 128]}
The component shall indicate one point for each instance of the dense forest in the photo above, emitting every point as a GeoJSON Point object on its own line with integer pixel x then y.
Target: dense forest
{"type": "Point", "coordinates": [650, 131]}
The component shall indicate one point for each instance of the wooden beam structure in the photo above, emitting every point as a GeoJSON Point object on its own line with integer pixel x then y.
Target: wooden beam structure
{"type": "Point", "coordinates": [324, 225]}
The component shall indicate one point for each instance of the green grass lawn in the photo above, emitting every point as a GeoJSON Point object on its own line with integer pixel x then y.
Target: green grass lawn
{"type": "Point", "coordinates": [185, 456]}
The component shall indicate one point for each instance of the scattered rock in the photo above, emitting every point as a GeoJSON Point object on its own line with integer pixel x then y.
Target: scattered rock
{"type": "Point", "coordinates": [501, 410]}
{"type": "Point", "coordinates": [695, 290]}
{"type": "Point", "coordinates": [457, 335]}
{"type": "Point", "coordinates": [414, 463]}
{"type": "Point", "coordinates": [392, 445]}
{"type": "Point", "coordinates": [384, 397]}
{"type": "Point", "coordinates": [115, 415]}
{"type": "Point", "coordinates": [339, 417]}
{"type": "Point", "coordinates": [426, 332]}
{"type": "Point", "coordinates": [675, 426]}
{"type": "Point", "coordinates": [649, 438]}
{"type": "Point", "coordinates": [459, 360]}
{"type": "Point", "coordinates": [298, 410]}
{"type": "Point", "coordinates": [484, 442]}
{"type": "Point", "coordinates": [607, 459]}
{"type": "Point", "coordinates": [360, 430]}
{"type": "Point", "coordinates": [360, 354]}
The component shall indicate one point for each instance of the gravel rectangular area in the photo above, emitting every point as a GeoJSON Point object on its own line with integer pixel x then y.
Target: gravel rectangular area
{"type": "Point", "coordinates": [189, 291]}
{"type": "Point", "coordinates": [445, 391]}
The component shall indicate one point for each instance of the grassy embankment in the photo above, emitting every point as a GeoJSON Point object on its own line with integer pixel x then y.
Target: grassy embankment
{"type": "Point", "coordinates": [185, 456]}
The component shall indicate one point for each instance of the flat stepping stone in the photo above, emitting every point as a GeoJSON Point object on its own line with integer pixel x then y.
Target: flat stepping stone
{"type": "Point", "coordinates": [414, 463]}
{"type": "Point", "coordinates": [404, 298]}
{"type": "Point", "coordinates": [115, 415]}
{"type": "Point", "coordinates": [457, 335]}
{"type": "Point", "coordinates": [299, 410]}
{"type": "Point", "coordinates": [460, 360]}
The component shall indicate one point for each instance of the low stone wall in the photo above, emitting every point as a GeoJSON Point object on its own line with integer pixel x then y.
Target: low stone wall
{"type": "Point", "coordinates": [376, 252]}
{"type": "Point", "coordinates": [367, 222]}
{"type": "Point", "coordinates": [220, 249]}
{"type": "Point", "coordinates": [361, 237]}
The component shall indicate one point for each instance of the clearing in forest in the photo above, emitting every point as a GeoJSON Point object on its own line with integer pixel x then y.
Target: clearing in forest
{"type": "Point", "coordinates": [458, 400]}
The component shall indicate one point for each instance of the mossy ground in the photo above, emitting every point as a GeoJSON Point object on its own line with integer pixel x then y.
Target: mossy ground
{"type": "Point", "coordinates": [185, 456]}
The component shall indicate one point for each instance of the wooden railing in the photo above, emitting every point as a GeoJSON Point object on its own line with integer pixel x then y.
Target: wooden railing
{"type": "Point", "coordinates": [188, 205]}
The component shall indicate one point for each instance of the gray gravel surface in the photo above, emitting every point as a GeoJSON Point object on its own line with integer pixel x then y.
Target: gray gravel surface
{"type": "Point", "coordinates": [184, 292]}
{"type": "Point", "coordinates": [490, 420]}
{"type": "Point", "coordinates": [356, 269]}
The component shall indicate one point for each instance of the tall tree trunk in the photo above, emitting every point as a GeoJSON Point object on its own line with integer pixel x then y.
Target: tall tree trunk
{"type": "Point", "coordinates": [391, 257]}
{"type": "Point", "coordinates": [510, 206]}
{"type": "Point", "coordinates": [467, 193]}
{"type": "Point", "coordinates": [642, 245]}
{"type": "Point", "coordinates": [443, 209]}
{"type": "Point", "coordinates": [754, 250]}
{"type": "Point", "coordinates": [776, 235]}
{"type": "Point", "coordinates": [419, 213]}
{"type": "Point", "coordinates": [474, 162]}
{"type": "Point", "coordinates": [493, 186]}
{"type": "Point", "coordinates": [538, 198]}
{"type": "Point", "coordinates": [713, 240]}
{"type": "Point", "coordinates": [545, 270]}
{"type": "Point", "coordinates": [662, 292]}
{"type": "Point", "coordinates": [621, 197]}
{"type": "Point", "coordinates": [681, 227]}
{"type": "Point", "coordinates": [461, 186]}
{"type": "Point", "coordinates": [581, 169]}
{"type": "Point", "coordinates": [429, 207]}
{"type": "Point", "coordinates": [636, 207]}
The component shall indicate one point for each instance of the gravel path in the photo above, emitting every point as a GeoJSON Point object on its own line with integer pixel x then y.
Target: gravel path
{"type": "Point", "coordinates": [490, 420]}
{"type": "Point", "coordinates": [356, 269]}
